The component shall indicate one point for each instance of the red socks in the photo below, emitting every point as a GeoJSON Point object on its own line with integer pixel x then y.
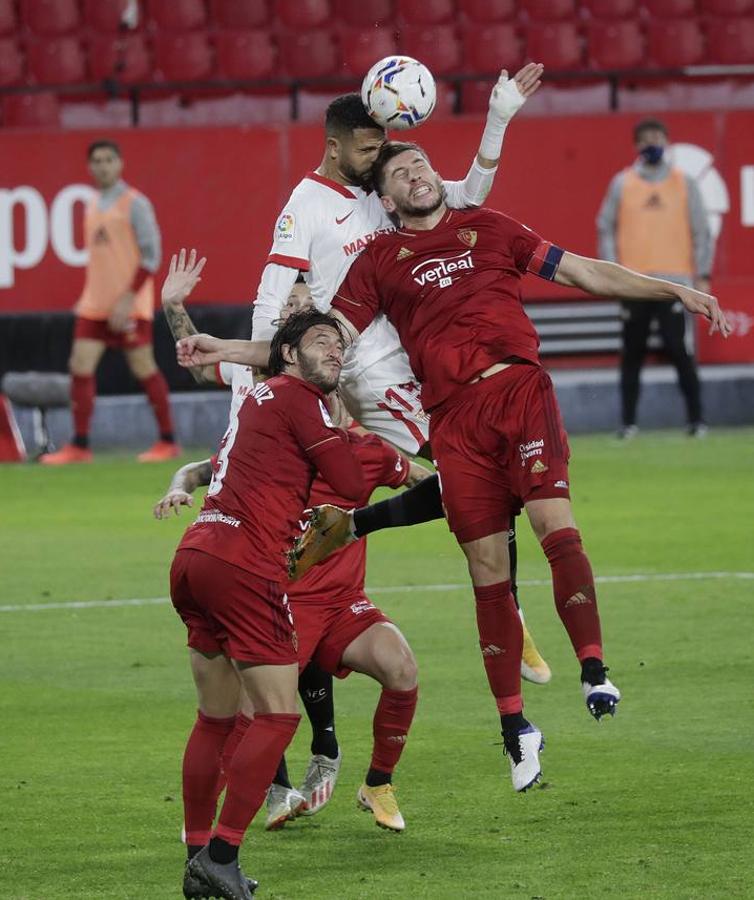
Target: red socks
{"type": "Point", "coordinates": [83, 390]}
{"type": "Point", "coordinates": [573, 587]}
{"type": "Point", "coordinates": [501, 639]}
{"type": "Point", "coordinates": [392, 720]}
{"type": "Point", "coordinates": [201, 772]}
{"type": "Point", "coordinates": [156, 389]}
{"type": "Point", "coordinates": [251, 771]}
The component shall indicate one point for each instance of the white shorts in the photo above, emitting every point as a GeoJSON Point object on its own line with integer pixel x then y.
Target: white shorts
{"type": "Point", "coordinates": [384, 398]}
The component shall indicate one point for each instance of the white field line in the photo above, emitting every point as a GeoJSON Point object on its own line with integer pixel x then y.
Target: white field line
{"type": "Point", "coordinates": [399, 589]}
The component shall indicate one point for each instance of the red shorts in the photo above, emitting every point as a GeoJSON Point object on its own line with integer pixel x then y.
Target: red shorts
{"type": "Point", "coordinates": [138, 336]}
{"type": "Point", "coordinates": [497, 445]}
{"type": "Point", "coordinates": [325, 628]}
{"type": "Point", "coordinates": [232, 611]}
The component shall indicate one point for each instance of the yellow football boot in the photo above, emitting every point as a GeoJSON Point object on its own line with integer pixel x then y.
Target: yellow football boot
{"type": "Point", "coordinates": [381, 802]}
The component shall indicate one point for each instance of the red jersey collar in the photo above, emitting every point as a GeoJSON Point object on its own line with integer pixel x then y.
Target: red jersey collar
{"type": "Point", "coordinates": [333, 185]}
{"type": "Point", "coordinates": [413, 232]}
{"type": "Point", "coordinates": [293, 379]}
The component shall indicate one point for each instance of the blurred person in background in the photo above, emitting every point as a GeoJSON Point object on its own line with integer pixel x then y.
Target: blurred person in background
{"type": "Point", "coordinates": [116, 307]}
{"type": "Point", "coordinates": [653, 220]}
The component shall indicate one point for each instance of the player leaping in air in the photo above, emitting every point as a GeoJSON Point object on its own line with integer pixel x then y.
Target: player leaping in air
{"type": "Point", "coordinates": [449, 282]}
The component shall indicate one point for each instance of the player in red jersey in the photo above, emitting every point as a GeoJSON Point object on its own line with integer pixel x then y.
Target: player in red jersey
{"type": "Point", "coordinates": [449, 281]}
{"type": "Point", "coordinates": [227, 584]}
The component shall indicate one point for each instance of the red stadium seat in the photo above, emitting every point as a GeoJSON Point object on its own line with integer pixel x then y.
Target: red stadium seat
{"type": "Point", "coordinates": [245, 54]}
{"type": "Point", "coordinates": [556, 44]}
{"type": "Point", "coordinates": [50, 16]}
{"type": "Point", "coordinates": [490, 49]}
{"type": "Point", "coordinates": [730, 41]}
{"type": "Point", "coordinates": [124, 57]}
{"type": "Point", "coordinates": [104, 15]}
{"type": "Point", "coordinates": [437, 47]}
{"type": "Point", "coordinates": [183, 57]}
{"type": "Point", "coordinates": [7, 17]}
{"type": "Point", "coordinates": [363, 13]}
{"type": "Point", "coordinates": [310, 54]}
{"type": "Point", "coordinates": [675, 42]}
{"type": "Point", "coordinates": [362, 48]}
{"type": "Point", "coordinates": [178, 15]}
{"type": "Point", "coordinates": [484, 11]}
{"type": "Point", "coordinates": [616, 45]}
{"type": "Point", "coordinates": [426, 12]}
{"type": "Point", "coordinates": [726, 7]}
{"type": "Point", "coordinates": [11, 63]}
{"type": "Point", "coordinates": [550, 10]}
{"type": "Point", "coordinates": [56, 61]}
{"type": "Point", "coordinates": [240, 13]}
{"type": "Point", "coordinates": [670, 9]}
{"type": "Point", "coordinates": [611, 9]}
{"type": "Point", "coordinates": [31, 111]}
{"type": "Point", "coordinates": [300, 14]}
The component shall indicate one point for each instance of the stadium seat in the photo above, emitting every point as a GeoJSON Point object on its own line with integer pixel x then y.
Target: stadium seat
{"type": "Point", "coordinates": [489, 49]}
{"type": "Point", "coordinates": [56, 61]}
{"type": "Point", "coordinates": [730, 41]}
{"type": "Point", "coordinates": [362, 47]}
{"type": "Point", "coordinates": [11, 63]}
{"type": "Point", "coordinates": [426, 12]}
{"type": "Point", "coordinates": [437, 47]}
{"type": "Point", "coordinates": [363, 13]}
{"type": "Point", "coordinates": [675, 42]}
{"type": "Point", "coordinates": [245, 54]}
{"type": "Point", "coordinates": [611, 9]}
{"type": "Point", "coordinates": [484, 11]}
{"type": "Point", "coordinates": [300, 14]}
{"type": "Point", "coordinates": [556, 44]}
{"type": "Point", "coordinates": [178, 15]}
{"type": "Point", "coordinates": [240, 13]}
{"type": "Point", "coordinates": [309, 54]}
{"type": "Point", "coordinates": [183, 57]}
{"type": "Point", "coordinates": [123, 57]}
{"type": "Point", "coordinates": [50, 16]}
{"type": "Point", "coordinates": [31, 111]}
{"type": "Point", "coordinates": [726, 7]}
{"type": "Point", "coordinates": [550, 10]}
{"type": "Point", "coordinates": [616, 45]}
{"type": "Point", "coordinates": [670, 9]}
{"type": "Point", "coordinates": [7, 17]}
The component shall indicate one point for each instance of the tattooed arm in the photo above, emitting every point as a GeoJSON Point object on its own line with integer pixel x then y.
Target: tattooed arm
{"type": "Point", "coordinates": [185, 481]}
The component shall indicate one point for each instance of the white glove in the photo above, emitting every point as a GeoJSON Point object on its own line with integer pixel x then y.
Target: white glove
{"type": "Point", "coordinates": [505, 101]}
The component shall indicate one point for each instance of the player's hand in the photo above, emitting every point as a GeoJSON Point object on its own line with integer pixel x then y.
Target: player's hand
{"type": "Point", "coordinates": [199, 350]}
{"type": "Point", "coordinates": [509, 94]}
{"type": "Point", "coordinates": [338, 412]}
{"type": "Point", "coordinates": [172, 500]}
{"type": "Point", "coordinates": [182, 278]}
{"type": "Point", "coordinates": [120, 319]}
{"type": "Point", "coordinates": [705, 305]}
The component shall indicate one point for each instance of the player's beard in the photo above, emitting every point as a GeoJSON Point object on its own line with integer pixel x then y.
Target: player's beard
{"type": "Point", "coordinates": [311, 372]}
{"type": "Point", "coordinates": [363, 181]}
{"type": "Point", "coordinates": [406, 208]}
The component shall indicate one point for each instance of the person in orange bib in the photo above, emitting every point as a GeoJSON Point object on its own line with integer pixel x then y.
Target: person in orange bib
{"type": "Point", "coordinates": [653, 220]}
{"type": "Point", "coordinates": [116, 307]}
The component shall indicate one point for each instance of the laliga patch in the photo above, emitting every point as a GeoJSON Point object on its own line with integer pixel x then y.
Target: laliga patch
{"type": "Point", "coordinates": [468, 237]}
{"type": "Point", "coordinates": [325, 415]}
{"type": "Point", "coordinates": [285, 228]}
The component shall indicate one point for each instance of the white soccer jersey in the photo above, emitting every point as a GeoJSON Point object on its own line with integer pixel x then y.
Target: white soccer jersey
{"type": "Point", "coordinates": [240, 379]}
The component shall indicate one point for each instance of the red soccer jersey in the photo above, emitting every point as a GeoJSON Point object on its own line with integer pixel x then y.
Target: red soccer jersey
{"type": "Point", "coordinates": [264, 472]}
{"type": "Point", "coordinates": [453, 294]}
{"type": "Point", "coordinates": [343, 573]}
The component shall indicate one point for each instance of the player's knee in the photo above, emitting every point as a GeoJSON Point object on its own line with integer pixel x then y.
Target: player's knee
{"type": "Point", "coordinates": [402, 672]}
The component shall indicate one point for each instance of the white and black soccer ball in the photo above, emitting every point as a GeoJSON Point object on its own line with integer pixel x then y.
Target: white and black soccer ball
{"type": "Point", "coordinates": [399, 92]}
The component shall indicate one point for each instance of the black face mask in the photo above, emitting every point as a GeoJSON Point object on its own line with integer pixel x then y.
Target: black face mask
{"type": "Point", "coordinates": [652, 154]}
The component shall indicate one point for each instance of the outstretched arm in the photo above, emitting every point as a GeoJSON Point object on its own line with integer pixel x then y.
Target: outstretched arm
{"type": "Point", "coordinates": [185, 481]}
{"type": "Point", "coordinates": [206, 350]}
{"type": "Point", "coordinates": [607, 279]}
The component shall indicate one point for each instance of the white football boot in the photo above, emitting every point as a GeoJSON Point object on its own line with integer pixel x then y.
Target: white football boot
{"type": "Point", "coordinates": [283, 804]}
{"type": "Point", "coordinates": [601, 699]}
{"type": "Point", "coordinates": [522, 749]}
{"type": "Point", "coordinates": [319, 782]}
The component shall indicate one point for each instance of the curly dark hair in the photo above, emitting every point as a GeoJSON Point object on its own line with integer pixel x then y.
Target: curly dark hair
{"type": "Point", "coordinates": [347, 113]}
{"type": "Point", "coordinates": [293, 330]}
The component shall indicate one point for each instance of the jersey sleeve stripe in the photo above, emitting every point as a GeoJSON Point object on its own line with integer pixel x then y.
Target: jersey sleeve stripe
{"type": "Point", "coordinates": [545, 260]}
{"type": "Point", "coordinates": [293, 262]}
{"type": "Point", "coordinates": [320, 443]}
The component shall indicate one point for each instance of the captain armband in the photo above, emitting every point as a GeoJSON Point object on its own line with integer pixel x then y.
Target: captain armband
{"type": "Point", "coordinates": [545, 260]}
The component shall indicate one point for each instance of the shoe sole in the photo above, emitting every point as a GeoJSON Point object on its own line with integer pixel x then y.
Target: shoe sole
{"type": "Point", "coordinates": [365, 807]}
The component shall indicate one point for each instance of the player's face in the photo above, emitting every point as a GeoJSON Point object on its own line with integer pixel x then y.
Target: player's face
{"type": "Point", "coordinates": [652, 137]}
{"type": "Point", "coordinates": [105, 167]}
{"type": "Point", "coordinates": [320, 357]}
{"type": "Point", "coordinates": [299, 299]}
{"type": "Point", "coordinates": [412, 187]}
{"type": "Point", "coordinates": [356, 155]}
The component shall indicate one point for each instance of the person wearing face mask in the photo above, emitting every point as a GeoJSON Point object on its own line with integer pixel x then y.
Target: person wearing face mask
{"type": "Point", "coordinates": [653, 220]}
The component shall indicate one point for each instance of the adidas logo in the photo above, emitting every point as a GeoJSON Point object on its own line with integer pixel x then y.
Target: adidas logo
{"type": "Point", "coordinates": [404, 253]}
{"type": "Point", "coordinates": [398, 738]}
{"type": "Point", "coordinates": [654, 201]}
{"type": "Point", "coordinates": [578, 599]}
{"type": "Point", "coordinates": [538, 467]}
{"type": "Point", "coordinates": [492, 650]}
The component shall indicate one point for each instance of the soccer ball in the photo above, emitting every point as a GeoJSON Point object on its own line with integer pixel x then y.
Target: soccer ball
{"type": "Point", "coordinates": [399, 92]}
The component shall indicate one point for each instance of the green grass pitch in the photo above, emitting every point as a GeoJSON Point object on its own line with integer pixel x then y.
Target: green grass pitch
{"type": "Point", "coordinates": [96, 701]}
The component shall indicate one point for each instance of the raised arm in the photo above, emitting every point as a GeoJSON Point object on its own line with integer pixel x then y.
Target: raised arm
{"type": "Point", "coordinates": [183, 484]}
